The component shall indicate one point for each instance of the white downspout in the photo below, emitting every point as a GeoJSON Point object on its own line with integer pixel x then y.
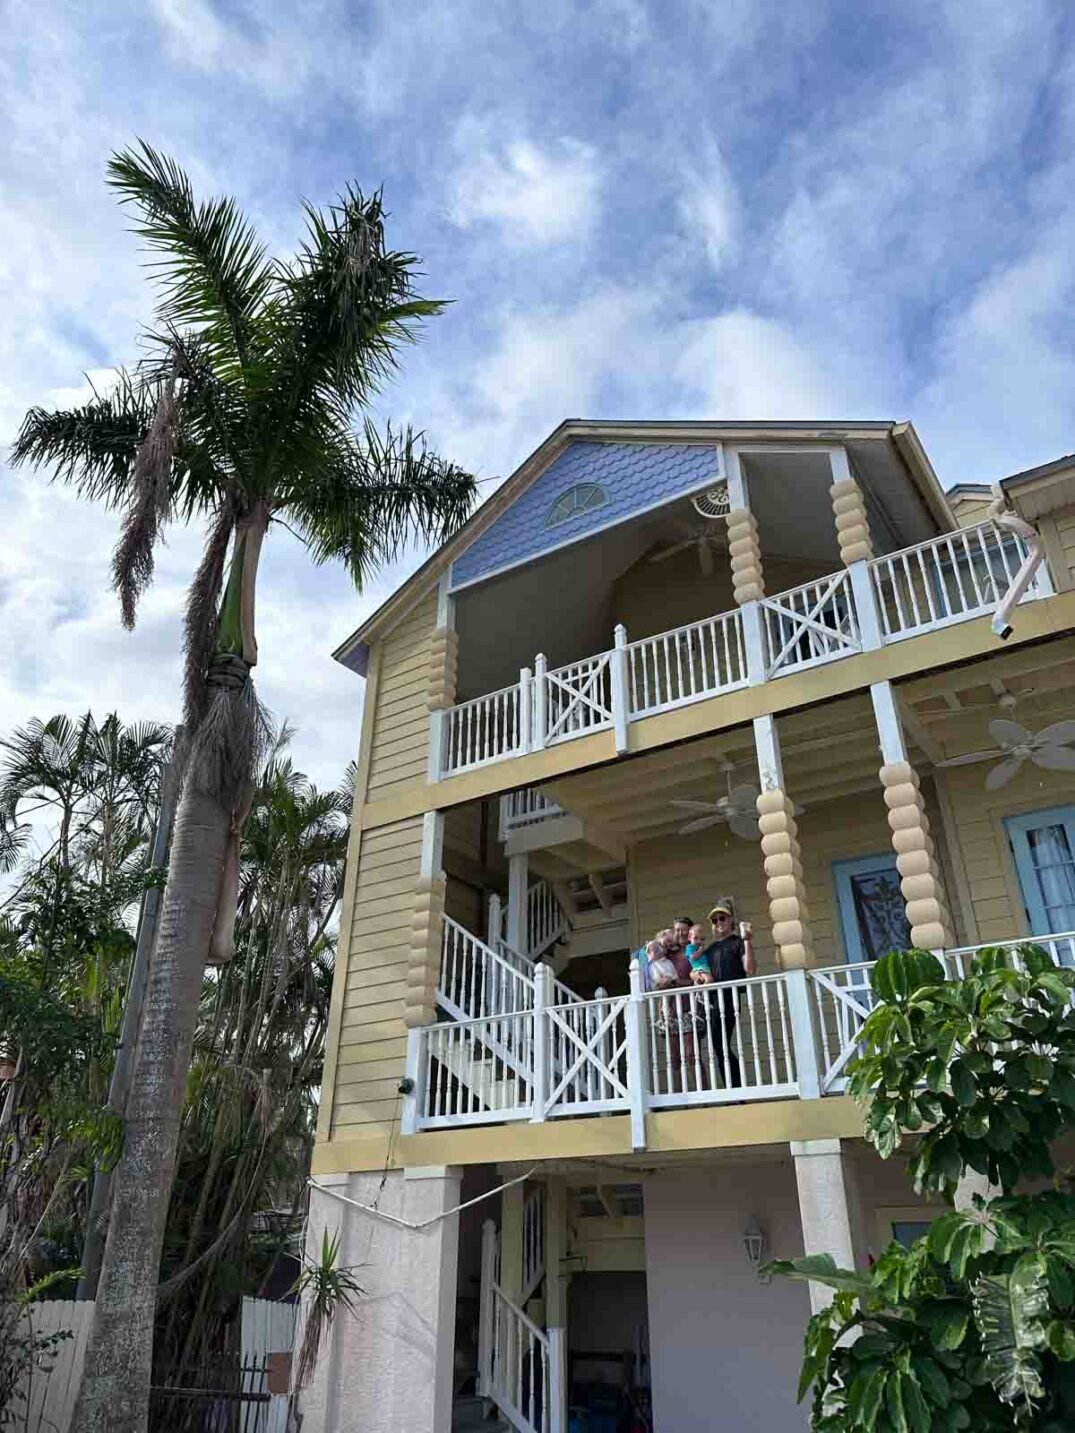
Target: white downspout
{"type": "Point", "coordinates": [1004, 518]}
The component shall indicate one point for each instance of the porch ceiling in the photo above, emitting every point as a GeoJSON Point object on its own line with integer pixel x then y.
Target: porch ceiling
{"type": "Point", "coordinates": [828, 752]}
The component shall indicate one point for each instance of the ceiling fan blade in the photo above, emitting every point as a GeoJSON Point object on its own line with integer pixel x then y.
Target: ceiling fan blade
{"type": "Point", "coordinates": [1008, 734]}
{"type": "Point", "coordinates": [1002, 774]}
{"type": "Point", "coordinates": [1061, 733]}
{"type": "Point", "coordinates": [686, 805]}
{"type": "Point", "coordinates": [971, 758]}
{"type": "Point", "coordinates": [743, 827]}
{"type": "Point", "coordinates": [1054, 758]}
{"type": "Point", "coordinates": [671, 551]}
{"type": "Point", "coordinates": [702, 824]}
{"type": "Point", "coordinates": [744, 796]}
{"type": "Point", "coordinates": [705, 556]}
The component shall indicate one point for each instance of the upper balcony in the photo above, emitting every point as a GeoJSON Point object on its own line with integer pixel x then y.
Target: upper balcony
{"type": "Point", "coordinates": [948, 579]}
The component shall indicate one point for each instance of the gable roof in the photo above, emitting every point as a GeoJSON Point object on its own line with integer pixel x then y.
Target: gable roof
{"type": "Point", "coordinates": [353, 652]}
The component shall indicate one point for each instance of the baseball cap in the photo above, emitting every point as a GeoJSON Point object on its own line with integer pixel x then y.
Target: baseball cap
{"type": "Point", "coordinates": [719, 909]}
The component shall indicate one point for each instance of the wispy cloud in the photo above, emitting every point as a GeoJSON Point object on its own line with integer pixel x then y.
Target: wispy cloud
{"type": "Point", "coordinates": [533, 196]}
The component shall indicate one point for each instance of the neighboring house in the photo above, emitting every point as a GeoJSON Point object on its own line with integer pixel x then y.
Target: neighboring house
{"type": "Point", "coordinates": [593, 650]}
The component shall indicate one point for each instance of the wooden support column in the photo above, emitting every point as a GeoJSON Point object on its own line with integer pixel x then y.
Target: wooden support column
{"type": "Point", "coordinates": [443, 676]}
{"type": "Point", "coordinates": [916, 858]}
{"type": "Point", "coordinates": [518, 935]}
{"type": "Point", "coordinates": [748, 582]}
{"type": "Point", "coordinates": [783, 854]}
{"type": "Point", "coordinates": [427, 930]}
{"type": "Point", "coordinates": [849, 509]}
{"type": "Point", "coordinates": [511, 1241]}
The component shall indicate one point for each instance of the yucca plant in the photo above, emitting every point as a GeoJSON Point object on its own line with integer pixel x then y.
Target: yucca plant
{"type": "Point", "coordinates": [242, 414]}
{"type": "Point", "coordinates": [324, 1290]}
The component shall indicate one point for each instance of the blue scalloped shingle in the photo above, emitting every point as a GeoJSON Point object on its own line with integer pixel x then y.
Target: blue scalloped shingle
{"type": "Point", "coordinates": [634, 475]}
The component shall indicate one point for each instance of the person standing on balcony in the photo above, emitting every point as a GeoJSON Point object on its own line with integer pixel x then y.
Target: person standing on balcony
{"type": "Point", "coordinates": [731, 959]}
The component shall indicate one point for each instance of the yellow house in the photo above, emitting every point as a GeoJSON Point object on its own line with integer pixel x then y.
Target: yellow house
{"type": "Point", "coordinates": [668, 667]}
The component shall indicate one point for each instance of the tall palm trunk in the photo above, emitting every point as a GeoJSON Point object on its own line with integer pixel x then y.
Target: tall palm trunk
{"type": "Point", "coordinates": [114, 1397]}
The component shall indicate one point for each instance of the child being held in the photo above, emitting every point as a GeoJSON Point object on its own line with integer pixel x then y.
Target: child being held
{"type": "Point", "coordinates": [662, 966]}
{"type": "Point", "coordinates": [701, 970]}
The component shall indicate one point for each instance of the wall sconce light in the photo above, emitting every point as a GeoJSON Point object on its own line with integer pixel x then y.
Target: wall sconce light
{"type": "Point", "coordinates": [754, 1244]}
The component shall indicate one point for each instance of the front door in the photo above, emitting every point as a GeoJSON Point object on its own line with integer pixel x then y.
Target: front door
{"type": "Point", "coordinates": [872, 913]}
{"type": "Point", "coordinates": [1043, 844]}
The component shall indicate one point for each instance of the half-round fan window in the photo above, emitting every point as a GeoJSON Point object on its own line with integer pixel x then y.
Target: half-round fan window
{"type": "Point", "coordinates": [583, 497]}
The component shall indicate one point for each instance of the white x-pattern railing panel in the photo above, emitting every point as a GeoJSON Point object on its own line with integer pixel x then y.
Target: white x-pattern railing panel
{"type": "Point", "coordinates": [843, 998]}
{"type": "Point", "coordinates": [809, 625]}
{"type": "Point", "coordinates": [575, 700]}
{"type": "Point", "coordinates": [700, 1038]}
{"type": "Point", "coordinates": [586, 1058]}
{"type": "Point", "coordinates": [950, 579]}
{"type": "Point", "coordinates": [486, 729]}
{"type": "Point", "coordinates": [686, 665]}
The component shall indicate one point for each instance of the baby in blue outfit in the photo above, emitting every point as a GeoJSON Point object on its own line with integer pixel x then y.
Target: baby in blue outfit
{"type": "Point", "coordinates": [701, 970]}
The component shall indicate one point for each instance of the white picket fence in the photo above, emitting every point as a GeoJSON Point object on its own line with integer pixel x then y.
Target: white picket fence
{"type": "Point", "coordinates": [45, 1400]}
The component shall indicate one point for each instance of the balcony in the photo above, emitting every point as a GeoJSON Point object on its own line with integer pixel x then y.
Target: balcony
{"type": "Point", "coordinates": [950, 579]}
{"type": "Point", "coordinates": [520, 1046]}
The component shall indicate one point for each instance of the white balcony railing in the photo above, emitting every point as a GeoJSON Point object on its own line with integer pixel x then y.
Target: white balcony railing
{"type": "Point", "coordinates": [522, 809]}
{"type": "Point", "coordinates": [960, 575]}
{"type": "Point", "coordinates": [777, 1036]}
{"type": "Point", "coordinates": [949, 579]}
{"type": "Point", "coordinates": [687, 665]}
{"type": "Point", "coordinates": [810, 625]}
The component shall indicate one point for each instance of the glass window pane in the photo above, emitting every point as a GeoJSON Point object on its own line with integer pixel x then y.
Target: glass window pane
{"type": "Point", "coordinates": [880, 913]}
{"type": "Point", "coordinates": [906, 1231]}
{"type": "Point", "coordinates": [1054, 870]}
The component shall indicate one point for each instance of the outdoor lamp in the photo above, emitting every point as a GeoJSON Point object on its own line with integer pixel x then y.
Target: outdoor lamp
{"type": "Point", "coordinates": [754, 1243]}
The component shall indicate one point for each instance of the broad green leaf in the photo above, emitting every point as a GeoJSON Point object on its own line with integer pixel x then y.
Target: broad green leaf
{"type": "Point", "coordinates": [933, 1380]}
{"type": "Point", "coordinates": [918, 1414]}
{"type": "Point", "coordinates": [947, 1322]}
{"type": "Point", "coordinates": [1009, 1310]}
{"type": "Point", "coordinates": [936, 1076]}
{"type": "Point", "coordinates": [820, 1269]}
{"type": "Point", "coordinates": [865, 1397]}
{"type": "Point", "coordinates": [964, 1085]}
{"type": "Point", "coordinates": [1060, 1337]}
{"type": "Point", "coordinates": [1040, 1068]}
{"type": "Point", "coordinates": [894, 1404]}
{"type": "Point", "coordinates": [1062, 1086]}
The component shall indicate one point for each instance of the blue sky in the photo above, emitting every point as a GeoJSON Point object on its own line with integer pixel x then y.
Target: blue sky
{"type": "Point", "coordinates": [743, 209]}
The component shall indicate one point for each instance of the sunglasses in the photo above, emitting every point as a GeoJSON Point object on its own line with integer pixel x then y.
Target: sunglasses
{"type": "Point", "coordinates": [721, 917]}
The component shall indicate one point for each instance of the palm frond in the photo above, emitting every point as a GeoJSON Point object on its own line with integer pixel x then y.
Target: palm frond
{"type": "Point", "coordinates": [200, 617]}
{"type": "Point", "coordinates": [377, 496]}
{"type": "Point", "coordinates": [213, 272]}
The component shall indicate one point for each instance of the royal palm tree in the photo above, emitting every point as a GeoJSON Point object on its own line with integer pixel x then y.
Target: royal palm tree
{"type": "Point", "coordinates": [242, 414]}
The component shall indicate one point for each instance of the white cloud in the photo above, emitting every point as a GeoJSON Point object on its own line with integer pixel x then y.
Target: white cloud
{"type": "Point", "coordinates": [744, 365]}
{"type": "Point", "coordinates": [534, 196]}
{"type": "Point", "coordinates": [709, 206]}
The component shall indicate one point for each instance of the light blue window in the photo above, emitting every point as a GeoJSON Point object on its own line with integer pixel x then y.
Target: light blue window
{"type": "Point", "coordinates": [583, 497]}
{"type": "Point", "coordinates": [1043, 844]}
{"type": "Point", "coordinates": [906, 1231]}
{"type": "Point", "coordinates": [872, 913]}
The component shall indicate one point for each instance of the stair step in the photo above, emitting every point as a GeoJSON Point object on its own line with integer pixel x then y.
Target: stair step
{"type": "Point", "coordinates": [468, 1417]}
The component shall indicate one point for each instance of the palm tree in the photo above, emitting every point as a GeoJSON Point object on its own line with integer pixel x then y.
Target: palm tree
{"type": "Point", "coordinates": [242, 413]}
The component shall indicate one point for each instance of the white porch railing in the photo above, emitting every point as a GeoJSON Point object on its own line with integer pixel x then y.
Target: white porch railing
{"type": "Point", "coordinates": [520, 1377]}
{"type": "Point", "coordinates": [1061, 947]}
{"type": "Point", "coordinates": [546, 921]}
{"type": "Point", "coordinates": [950, 579]}
{"type": "Point", "coordinates": [716, 1043]}
{"type": "Point", "coordinates": [476, 1071]}
{"type": "Point", "coordinates": [477, 980]}
{"type": "Point", "coordinates": [522, 809]}
{"type": "Point", "coordinates": [585, 1066]}
{"type": "Point", "coordinates": [809, 625]}
{"type": "Point", "coordinates": [686, 665]}
{"type": "Point", "coordinates": [485, 729]}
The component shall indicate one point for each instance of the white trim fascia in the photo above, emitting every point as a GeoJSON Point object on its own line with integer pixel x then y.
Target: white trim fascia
{"type": "Point", "coordinates": [718, 476]}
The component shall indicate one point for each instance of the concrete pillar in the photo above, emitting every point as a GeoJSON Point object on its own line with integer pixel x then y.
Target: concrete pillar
{"type": "Point", "coordinates": [783, 855]}
{"type": "Point", "coordinates": [916, 859]}
{"type": "Point", "coordinates": [823, 1207]}
{"type": "Point", "coordinates": [388, 1364]}
{"type": "Point", "coordinates": [511, 1241]}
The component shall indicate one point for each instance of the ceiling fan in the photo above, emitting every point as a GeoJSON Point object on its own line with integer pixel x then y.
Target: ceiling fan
{"type": "Point", "coordinates": [712, 505]}
{"type": "Point", "coordinates": [1051, 748]}
{"type": "Point", "coordinates": [738, 809]}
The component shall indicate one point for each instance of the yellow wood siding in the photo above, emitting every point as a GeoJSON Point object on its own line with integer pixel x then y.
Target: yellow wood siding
{"type": "Point", "coordinates": [990, 866]}
{"type": "Point", "coordinates": [399, 754]}
{"type": "Point", "coordinates": [683, 875]}
{"type": "Point", "coordinates": [373, 1038]}
{"type": "Point", "coordinates": [969, 511]}
{"type": "Point", "coordinates": [654, 597]}
{"type": "Point", "coordinates": [1065, 531]}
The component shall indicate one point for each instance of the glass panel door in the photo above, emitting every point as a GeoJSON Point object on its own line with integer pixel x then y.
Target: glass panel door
{"type": "Point", "coordinates": [1043, 844]}
{"type": "Point", "coordinates": [872, 912]}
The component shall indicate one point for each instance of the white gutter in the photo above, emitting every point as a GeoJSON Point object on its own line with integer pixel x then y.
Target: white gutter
{"type": "Point", "coordinates": [1010, 521]}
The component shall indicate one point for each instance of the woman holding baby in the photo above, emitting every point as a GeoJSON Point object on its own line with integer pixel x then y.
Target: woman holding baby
{"type": "Point", "coordinates": [683, 957]}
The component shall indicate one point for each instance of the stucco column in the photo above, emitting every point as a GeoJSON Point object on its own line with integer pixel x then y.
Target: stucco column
{"type": "Point", "coordinates": [823, 1207]}
{"type": "Point", "coordinates": [783, 855]}
{"type": "Point", "coordinates": [388, 1364]}
{"type": "Point", "coordinates": [916, 858]}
